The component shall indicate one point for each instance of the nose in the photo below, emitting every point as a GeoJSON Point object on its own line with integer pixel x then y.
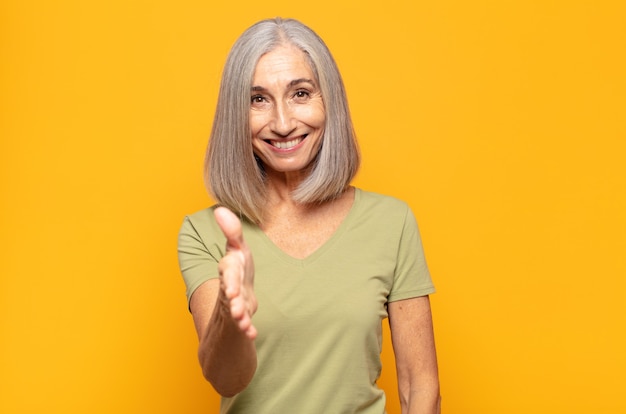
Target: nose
{"type": "Point", "coordinates": [283, 121]}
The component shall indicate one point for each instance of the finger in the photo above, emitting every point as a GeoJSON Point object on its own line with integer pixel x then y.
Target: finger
{"type": "Point", "coordinates": [231, 227]}
{"type": "Point", "coordinates": [231, 270]}
{"type": "Point", "coordinates": [246, 326]}
{"type": "Point", "coordinates": [251, 332]}
{"type": "Point", "coordinates": [242, 318]}
{"type": "Point", "coordinates": [238, 308]}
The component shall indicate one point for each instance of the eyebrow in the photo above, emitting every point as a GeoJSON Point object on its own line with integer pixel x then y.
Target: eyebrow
{"type": "Point", "coordinates": [291, 84]}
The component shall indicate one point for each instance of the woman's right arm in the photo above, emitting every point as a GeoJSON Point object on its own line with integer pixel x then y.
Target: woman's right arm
{"type": "Point", "coordinates": [222, 311]}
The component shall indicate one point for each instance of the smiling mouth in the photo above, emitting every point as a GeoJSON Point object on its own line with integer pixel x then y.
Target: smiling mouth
{"type": "Point", "coordinates": [286, 144]}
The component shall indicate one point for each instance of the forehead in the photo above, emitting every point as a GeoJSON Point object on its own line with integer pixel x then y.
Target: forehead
{"type": "Point", "coordinates": [285, 62]}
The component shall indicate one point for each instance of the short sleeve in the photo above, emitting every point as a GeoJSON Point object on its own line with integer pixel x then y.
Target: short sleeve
{"type": "Point", "coordinates": [412, 277]}
{"type": "Point", "coordinates": [199, 250]}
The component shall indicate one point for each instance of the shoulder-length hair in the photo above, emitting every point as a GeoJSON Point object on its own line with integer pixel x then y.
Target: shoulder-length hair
{"type": "Point", "coordinates": [233, 175]}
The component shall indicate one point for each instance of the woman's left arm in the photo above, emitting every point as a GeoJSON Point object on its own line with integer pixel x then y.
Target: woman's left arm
{"type": "Point", "coordinates": [413, 340]}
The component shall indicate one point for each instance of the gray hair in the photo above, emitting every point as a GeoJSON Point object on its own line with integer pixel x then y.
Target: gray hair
{"type": "Point", "coordinates": [234, 176]}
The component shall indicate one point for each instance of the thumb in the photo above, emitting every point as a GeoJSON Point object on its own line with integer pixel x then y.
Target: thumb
{"type": "Point", "coordinates": [231, 227]}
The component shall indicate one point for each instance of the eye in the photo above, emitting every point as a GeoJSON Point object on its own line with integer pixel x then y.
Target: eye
{"type": "Point", "coordinates": [256, 99]}
{"type": "Point", "coordinates": [301, 94]}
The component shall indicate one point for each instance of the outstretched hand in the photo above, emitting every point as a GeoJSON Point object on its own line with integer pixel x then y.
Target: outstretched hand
{"type": "Point", "coordinates": [236, 271]}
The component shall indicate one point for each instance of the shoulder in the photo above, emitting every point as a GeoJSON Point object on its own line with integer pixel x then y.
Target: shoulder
{"type": "Point", "coordinates": [202, 218]}
{"type": "Point", "coordinates": [378, 198]}
{"type": "Point", "coordinates": [200, 227]}
{"type": "Point", "coordinates": [382, 206]}
{"type": "Point", "coordinates": [203, 226]}
{"type": "Point", "coordinates": [382, 215]}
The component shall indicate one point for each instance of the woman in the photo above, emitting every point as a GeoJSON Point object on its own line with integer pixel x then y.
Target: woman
{"type": "Point", "coordinates": [324, 261]}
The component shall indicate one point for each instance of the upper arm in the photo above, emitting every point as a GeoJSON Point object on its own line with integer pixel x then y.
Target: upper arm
{"type": "Point", "coordinates": [413, 341]}
{"type": "Point", "coordinates": [202, 303]}
{"type": "Point", "coordinates": [200, 247]}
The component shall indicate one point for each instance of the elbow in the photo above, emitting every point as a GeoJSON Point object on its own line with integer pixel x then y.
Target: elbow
{"type": "Point", "coordinates": [227, 381]}
{"type": "Point", "coordinates": [431, 400]}
{"type": "Point", "coordinates": [431, 394]}
{"type": "Point", "coordinates": [227, 386]}
{"type": "Point", "coordinates": [424, 393]}
{"type": "Point", "coordinates": [226, 391]}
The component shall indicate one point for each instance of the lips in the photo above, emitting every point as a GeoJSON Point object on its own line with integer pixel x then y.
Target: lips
{"type": "Point", "coordinates": [286, 144]}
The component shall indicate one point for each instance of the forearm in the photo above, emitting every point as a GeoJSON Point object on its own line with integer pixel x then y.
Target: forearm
{"type": "Point", "coordinates": [226, 354]}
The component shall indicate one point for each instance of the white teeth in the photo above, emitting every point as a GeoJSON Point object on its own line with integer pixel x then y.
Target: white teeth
{"type": "Point", "coordinates": [287, 144]}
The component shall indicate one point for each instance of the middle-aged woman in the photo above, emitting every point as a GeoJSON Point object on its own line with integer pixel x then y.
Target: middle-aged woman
{"type": "Point", "coordinates": [297, 329]}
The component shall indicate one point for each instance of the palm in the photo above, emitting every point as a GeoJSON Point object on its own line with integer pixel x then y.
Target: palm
{"type": "Point", "coordinates": [236, 270]}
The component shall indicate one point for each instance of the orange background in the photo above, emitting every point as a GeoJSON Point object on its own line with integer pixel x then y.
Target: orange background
{"type": "Point", "coordinates": [500, 122]}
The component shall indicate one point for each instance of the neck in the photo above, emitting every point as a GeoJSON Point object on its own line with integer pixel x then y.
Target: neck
{"type": "Point", "coordinates": [280, 186]}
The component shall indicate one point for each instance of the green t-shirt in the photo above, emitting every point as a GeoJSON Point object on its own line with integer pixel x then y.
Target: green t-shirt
{"type": "Point", "coordinates": [319, 318]}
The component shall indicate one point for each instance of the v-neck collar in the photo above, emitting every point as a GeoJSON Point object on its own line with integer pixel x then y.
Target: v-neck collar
{"type": "Point", "coordinates": [320, 251]}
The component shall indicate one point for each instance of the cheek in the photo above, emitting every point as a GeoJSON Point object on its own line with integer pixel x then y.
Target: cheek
{"type": "Point", "coordinates": [314, 115]}
{"type": "Point", "coordinates": [256, 123]}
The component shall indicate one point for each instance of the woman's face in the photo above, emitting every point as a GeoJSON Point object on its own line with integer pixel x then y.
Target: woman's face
{"type": "Point", "coordinates": [286, 111]}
